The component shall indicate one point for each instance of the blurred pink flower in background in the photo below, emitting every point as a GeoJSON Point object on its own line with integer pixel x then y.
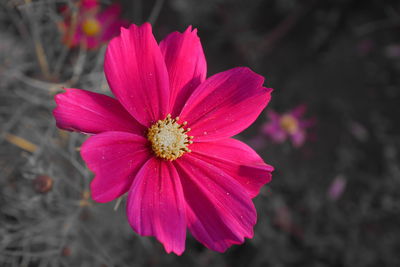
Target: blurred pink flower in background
{"type": "Point", "coordinates": [204, 181]}
{"type": "Point", "coordinates": [337, 188]}
{"type": "Point", "coordinates": [289, 125]}
{"type": "Point", "coordinates": [89, 26]}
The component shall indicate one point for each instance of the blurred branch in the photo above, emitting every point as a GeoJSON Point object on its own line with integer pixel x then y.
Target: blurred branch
{"type": "Point", "coordinates": [13, 120]}
{"type": "Point", "coordinates": [60, 60]}
{"type": "Point", "coordinates": [78, 67]}
{"type": "Point", "coordinates": [119, 200]}
{"type": "Point", "coordinates": [21, 142]}
{"type": "Point", "coordinates": [40, 54]}
{"type": "Point", "coordinates": [42, 85]}
{"type": "Point", "coordinates": [17, 21]}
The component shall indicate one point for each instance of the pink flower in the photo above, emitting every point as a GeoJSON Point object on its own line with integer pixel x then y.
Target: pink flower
{"type": "Point", "coordinates": [176, 177]}
{"type": "Point", "coordinates": [288, 125]}
{"type": "Point", "coordinates": [91, 27]}
{"type": "Point", "coordinates": [337, 188]}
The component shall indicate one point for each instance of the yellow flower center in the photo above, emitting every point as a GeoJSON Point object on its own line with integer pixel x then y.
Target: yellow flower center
{"type": "Point", "coordinates": [91, 27]}
{"type": "Point", "coordinates": [289, 123]}
{"type": "Point", "coordinates": [168, 138]}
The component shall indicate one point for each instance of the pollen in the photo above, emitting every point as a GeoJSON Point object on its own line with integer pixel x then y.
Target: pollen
{"type": "Point", "coordinates": [169, 139]}
{"type": "Point", "coordinates": [289, 123]}
{"type": "Point", "coordinates": [91, 27]}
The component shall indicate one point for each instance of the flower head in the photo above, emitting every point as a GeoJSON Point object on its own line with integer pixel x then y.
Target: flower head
{"type": "Point", "coordinates": [176, 177]}
{"type": "Point", "coordinates": [89, 26]}
{"type": "Point", "coordinates": [337, 188]}
{"type": "Point", "coordinates": [288, 125]}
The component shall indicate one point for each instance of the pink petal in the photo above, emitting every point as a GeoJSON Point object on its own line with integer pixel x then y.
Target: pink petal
{"type": "Point", "coordinates": [112, 29]}
{"type": "Point", "coordinates": [70, 41]}
{"type": "Point", "coordinates": [308, 123]}
{"type": "Point", "coordinates": [337, 187]}
{"type": "Point", "coordinates": [298, 138]}
{"type": "Point", "coordinates": [109, 14]}
{"type": "Point", "coordinates": [115, 158]}
{"type": "Point", "coordinates": [156, 205]}
{"type": "Point", "coordinates": [89, 5]}
{"type": "Point", "coordinates": [90, 42]}
{"type": "Point", "coordinates": [225, 104]}
{"type": "Point", "coordinates": [186, 65]}
{"type": "Point", "coordinates": [136, 72]}
{"type": "Point", "coordinates": [219, 211]}
{"type": "Point", "coordinates": [274, 131]}
{"type": "Point", "coordinates": [237, 160]}
{"type": "Point", "coordinates": [110, 21]}
{"type": "Point", "coordinates": [88, 112]}
{"type": "Point", "coordinates": [273, 116]}
{"type": "Point", "coordinates": [299, 111]}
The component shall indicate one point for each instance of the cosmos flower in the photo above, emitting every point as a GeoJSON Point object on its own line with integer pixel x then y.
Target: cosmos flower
{"type": "Point", "coordinates": [176, 177]}
{"type": "Point", "coordinates": [90, 27]}
{"type": "Point", "coordinates": [337, 188]}
{"type": "Point", "coordinates": [288, 125]}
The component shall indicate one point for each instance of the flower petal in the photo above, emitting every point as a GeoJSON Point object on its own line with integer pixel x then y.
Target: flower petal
{"type": "Point", "coordinates": [273, 116]}
{"type": "Point", "coordinates": [109, 14]}
{"type": "Point", "coordinates": [225, 104]}
{"type": "Point", "coordinates": [156, 205]}
{"type": "Point", "coordinates": [112, 29]}
{"type": "Point", "coordinates": [274, 131]}
{"type": "Point", "coordinates": [186, 64]}
{"type": "Point", "coordinates": [298, 138]}
{"type": "Point", "coordinates": [88, 112]}
{"type": "Point", "coordinates": [299, 111]}
{"type": "Point", "coordinates": [89, 42]}
{"type": "Point", "coordinates": [219, 211]}
{"type": "Point", "coordinates": [136, 72]}
{"type": "Point", "coordinates": [111, 22]}
{"type": "Point", "coordinates": [89, 5]}
{"type": "Point", "coordinates": [115, 158]}
{"type": "Point", "coordinates": [237, 160]}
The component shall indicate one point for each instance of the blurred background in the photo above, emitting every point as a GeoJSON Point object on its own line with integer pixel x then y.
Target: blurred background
{"type": "Point", "coordinates": [331, 131]}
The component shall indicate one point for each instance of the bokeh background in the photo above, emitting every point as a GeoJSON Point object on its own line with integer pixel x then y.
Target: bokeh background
{"type": "Point", "coordinates": [333, 201]}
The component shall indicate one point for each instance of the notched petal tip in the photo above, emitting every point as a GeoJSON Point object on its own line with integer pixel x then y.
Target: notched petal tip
{"type": "Point", "coordinates": [125, 30]}
{"type": "Point", "coordinates": [250, 72]}
{"type": "Point", "coordinates": [99, 198]}
{"type": "Point", "coordinates": [60, 95]}
{"type": "Point", "coordinates": [269, 90]}
{"type": "Point", "coordinates": [146, 26]}
{"type": "Point", "coordinates": [191, 30]}
{"type": "Point", "coordinates": [169, 250]}
{"type": "Point", "coordinates": [270, 168]}
{"type": "Point", "coordinates": [57, 111]}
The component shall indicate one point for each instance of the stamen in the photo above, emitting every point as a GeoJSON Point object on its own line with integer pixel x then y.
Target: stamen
{"type": "Point", "coordinates": [289, 123]}
{"type": "Point", "coordinates": [168, 138]}
{"type": "Point", "coordinates": [91, 26]}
